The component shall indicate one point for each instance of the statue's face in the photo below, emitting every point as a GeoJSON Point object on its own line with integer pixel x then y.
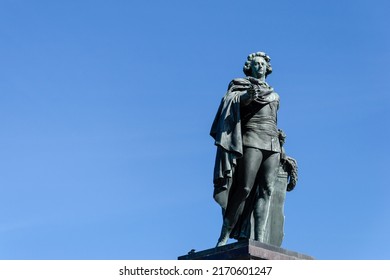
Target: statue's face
{"type": "Point", "coordinates": [259, 67]}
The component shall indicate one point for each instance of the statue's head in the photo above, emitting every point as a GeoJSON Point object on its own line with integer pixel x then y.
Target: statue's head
{"type": "Point", "coordinates": [257, 64]}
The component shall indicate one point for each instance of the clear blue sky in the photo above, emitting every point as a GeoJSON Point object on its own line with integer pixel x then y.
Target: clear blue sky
{"type": "Point", "coordinates": [106, 106]}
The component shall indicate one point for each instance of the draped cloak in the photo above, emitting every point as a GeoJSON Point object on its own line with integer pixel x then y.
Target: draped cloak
{"type": "Point", "coordinates": [227, 133]}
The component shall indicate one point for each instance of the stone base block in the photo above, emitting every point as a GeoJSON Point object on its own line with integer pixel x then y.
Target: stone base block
{"type": "Point", "coordinates": [246, 250]}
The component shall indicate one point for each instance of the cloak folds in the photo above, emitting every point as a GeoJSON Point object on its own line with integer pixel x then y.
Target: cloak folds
{"type": "Point", "coordinates": [226, 131]}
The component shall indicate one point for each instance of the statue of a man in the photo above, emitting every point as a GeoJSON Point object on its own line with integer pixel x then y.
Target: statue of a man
{"type": "Point", "coordinates": [248, 151]}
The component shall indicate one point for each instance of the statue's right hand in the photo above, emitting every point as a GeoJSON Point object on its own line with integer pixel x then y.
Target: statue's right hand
{"type": "Point", "coordinates": [253, 92]}
{"type": "Point", "coordinates": [260, 91]}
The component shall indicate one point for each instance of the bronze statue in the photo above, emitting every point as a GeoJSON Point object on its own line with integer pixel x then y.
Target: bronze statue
{"type": "Point", "coordinates": [248, 153]}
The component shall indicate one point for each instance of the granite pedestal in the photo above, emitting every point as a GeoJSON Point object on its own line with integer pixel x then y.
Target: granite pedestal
{"type": "Point", "coordinates": [246, 250]}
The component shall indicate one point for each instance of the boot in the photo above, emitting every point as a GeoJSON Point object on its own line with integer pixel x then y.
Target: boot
{"type": "Point", "coordinates": [225, 234]}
